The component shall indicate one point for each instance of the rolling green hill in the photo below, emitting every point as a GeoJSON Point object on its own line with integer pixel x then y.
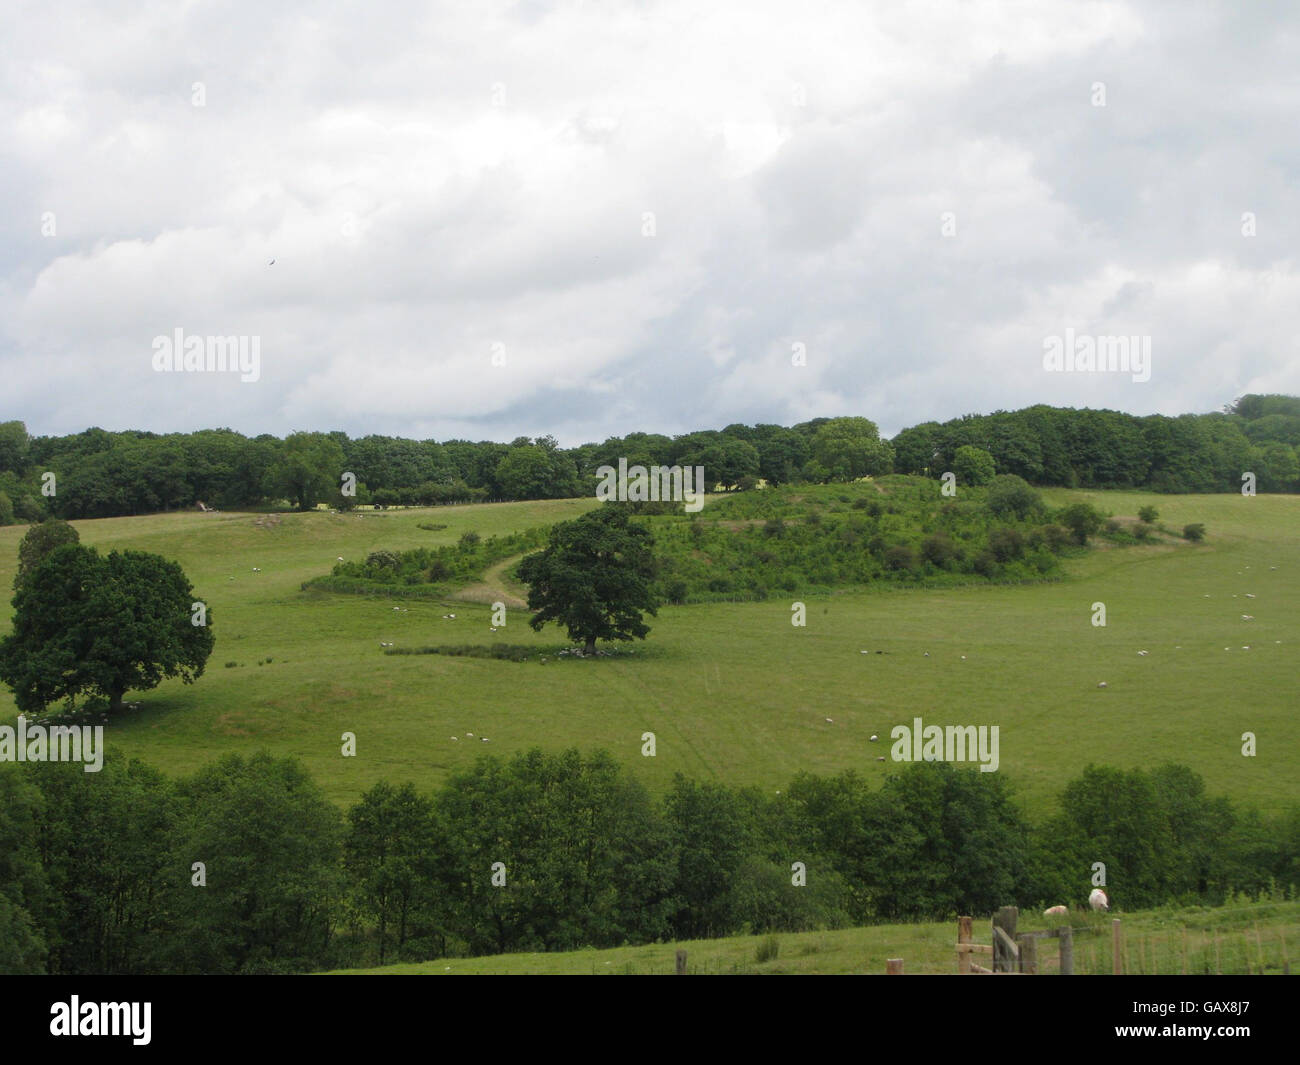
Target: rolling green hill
{"type": "Point", "coordinates": [733, 691]}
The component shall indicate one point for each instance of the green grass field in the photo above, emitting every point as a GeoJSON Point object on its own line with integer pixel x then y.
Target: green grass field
{"type": "Point", "coordinates": [734, 692]}
{"type": "Point", "coordinates": [1257, 938]}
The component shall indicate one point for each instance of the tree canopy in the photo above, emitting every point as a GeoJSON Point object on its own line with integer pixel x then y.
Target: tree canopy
{"type": "Point", "coordinates": [101, 626]}
{"type": "Point", "coordinates": [594, 577]}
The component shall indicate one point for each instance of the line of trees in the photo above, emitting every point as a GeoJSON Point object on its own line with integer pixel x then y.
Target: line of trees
{"type": "Point", "coordinates": [102, 474]}
{"type": "Point", "coordinates": [246, 867]}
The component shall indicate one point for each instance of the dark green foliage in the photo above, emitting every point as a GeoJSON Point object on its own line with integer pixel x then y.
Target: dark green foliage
{"type": "Point", "coordinates": [1148, 514]}
{"type": "Point", "coordinates": [594, 578]}
{"type": "Point", "coordinates": [103, 474]}
{"type": "Point", "coordinates": [711, 839]}
{"type": "Point", "coordinates": [39, 541]}
{"type": "Point", "coordinates": [24, 889]}
{"type": "Point", "coordinates": [86, 625]}
{"type": "Point", "coordinates": [586, 857]}
{"type": "Point", "coordinates": [502, 651]}
{"type": "Point", "coordinates": [270, 842]}
{"type": "Point", "coordinates": [97, 870]}
{"type": "Point", "coordinates": [973, 466]}
{"type": "Point", "coordinates": [1010, 496]}
{"type": "Point", "coordinates": [309, 470]}
{"type": "Point", "coordinates": [1194, 532]}
{"type": "Point", "coordinates": [104, 840]}
{"type": "Point", "coordinates": [847, 448]}
{"type": "Point", "coordinates": [421, 569]}
{"type": "Point", "coordinates": [390, 854]}
{"type": "Point", "coordinates": [1082, 519]}
{"type": "Point", "coordinates": [805, 538]}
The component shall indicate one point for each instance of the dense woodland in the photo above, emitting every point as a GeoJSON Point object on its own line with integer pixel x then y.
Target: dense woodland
{"type": "Point", "coordinates": [99, 474]}
{"type": "Point", "coordinates": [97, 871]}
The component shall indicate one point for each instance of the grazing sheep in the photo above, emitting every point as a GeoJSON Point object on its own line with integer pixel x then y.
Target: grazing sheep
{"type": "Point", "coordinates": [1057, 911]}
{"type": "Point", "coordinates": [1099, 900]}
{"type": "Point", "coordinates": [1102, 684]}
{"type": "Point", "coordinates": [1143, 653]}
{"type": "Point", "coordinates": [880, 758]}
{"type": "Point", "coordinates": [874, 737]}
{"type": "Point", "coordinates": [829, 721]}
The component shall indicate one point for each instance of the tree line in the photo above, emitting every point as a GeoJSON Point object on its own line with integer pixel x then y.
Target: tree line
{"type": "Point", "coordinates": [101, 474]}
{"type": "Point", "coordinates": [246, 867]}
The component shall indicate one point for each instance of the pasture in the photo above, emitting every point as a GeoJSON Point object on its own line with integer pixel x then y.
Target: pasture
{"type": "Point", "coordinates": [1254, 938]}
{"type": "Point", "coordinates": [733, 691]}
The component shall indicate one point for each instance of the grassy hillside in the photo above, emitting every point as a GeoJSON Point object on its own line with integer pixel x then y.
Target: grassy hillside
{"type": "Point", "coordinates": [732, 690]}
{"type": "Point", "coordinates": [1256, 938]}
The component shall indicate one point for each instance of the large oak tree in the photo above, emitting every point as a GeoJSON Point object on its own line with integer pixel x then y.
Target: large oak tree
{"type": "Point", "coordinates": [594, 578]}
{"type": "Point", "coordinates": [92, 625]}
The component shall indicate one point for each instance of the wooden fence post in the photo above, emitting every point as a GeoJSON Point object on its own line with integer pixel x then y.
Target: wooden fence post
{"type": "Point", "coordinates": [893, 966]}
{"type": "Point", "coordinates": [963, 936]}
{"type": "Point", "coordinates": [681, 963]}
{"type": "Point", "coordinates": [1005, 951]}
{"type": "Point", "coordinates": [1116, 958]}
{"type": "Point", "coordinates": [1028, 944]}
{"type": "Point", "coordinates": [1066, 936]}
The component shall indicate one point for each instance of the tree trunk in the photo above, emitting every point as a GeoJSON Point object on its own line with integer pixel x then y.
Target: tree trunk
{"type": "Point", "coordinates": [115, 700]}
{"type": "Point", "coordinates": [590, 649]}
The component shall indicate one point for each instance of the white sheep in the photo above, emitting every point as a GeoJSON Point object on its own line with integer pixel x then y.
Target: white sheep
{"type": "Point", "coordinates": [1057, 911]}
{"type": "Point", "coordinates": [1099, 900]}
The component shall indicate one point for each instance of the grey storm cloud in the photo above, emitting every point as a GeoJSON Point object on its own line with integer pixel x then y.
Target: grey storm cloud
{"type": "Point", "coordinates": [584, 219]}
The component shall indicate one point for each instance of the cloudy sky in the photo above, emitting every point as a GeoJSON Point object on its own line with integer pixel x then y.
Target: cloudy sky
{"type": "Point", "coordinates": [581, 218]}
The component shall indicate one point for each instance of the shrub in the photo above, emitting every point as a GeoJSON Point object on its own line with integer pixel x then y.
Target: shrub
{"type": "Point", "coordinates": [383, 560]}
{"type": "Point", "coordinates": [1012, 495]}
{"type": "Point", "coordinates": [900, 557]}
{"type": "Point", "coordinates": [1082, 519]}
{"type": "Point", "coordinates": [1057, 537]}
{"type": "Point", "coordinates": [469, 541]}
{"type": "Point", "coordinates": [939, 550]}
{"type": "Point", "coordinates": [1006, 544]}
{"type": "Point", "coordinates": [1148, 514]}
{"type": "Point", "coordinates": [774, 527]}
{"type": "Point", "coordinates": [1142, 530]}
{"type": "Point", "coordinates": [1194, 532]}
{"type": "Point", "coordinates": [767, 950]}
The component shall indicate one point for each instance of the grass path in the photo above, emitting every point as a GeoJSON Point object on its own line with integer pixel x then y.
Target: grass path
{"type": "Point", "coordinates": [496, 587]}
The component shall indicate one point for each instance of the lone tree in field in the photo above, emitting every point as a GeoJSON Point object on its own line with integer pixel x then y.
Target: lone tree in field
{"type": "Point", "coordinates": [593, 578]}
{"type": "Point", "coordinates": [101, 626]}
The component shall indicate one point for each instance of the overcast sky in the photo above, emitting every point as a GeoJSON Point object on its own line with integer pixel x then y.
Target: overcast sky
{"type": "Point", "coordinates": [642, 210]}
